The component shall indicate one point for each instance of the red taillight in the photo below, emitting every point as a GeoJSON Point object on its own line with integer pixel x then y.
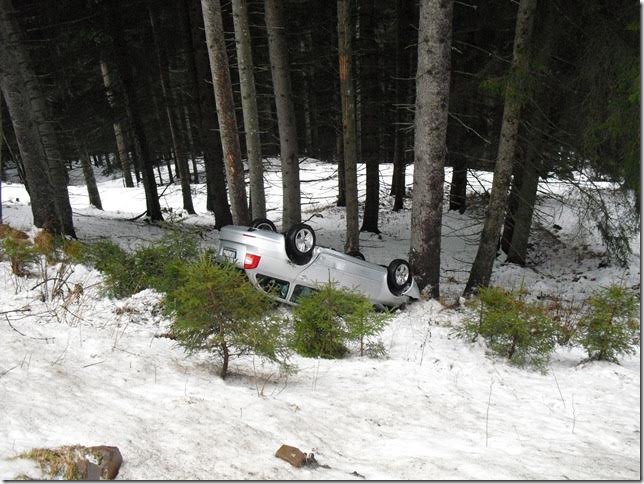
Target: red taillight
{"type": "Point", "coordinates": [251, 261]}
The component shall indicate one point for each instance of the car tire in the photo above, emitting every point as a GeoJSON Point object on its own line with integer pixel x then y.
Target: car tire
{"type": "Point", "coordinates": [263, 224]}
{"type": "Point", "coordinates": [300, 242]}
{"type": "Point", "coordinates": [398, 276]}
{"type": "Point", "coordinates": [357, 254]}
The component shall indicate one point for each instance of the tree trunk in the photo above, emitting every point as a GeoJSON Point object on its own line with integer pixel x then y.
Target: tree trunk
{"type": "Point", "coordinates": [483, 263]}
{"type": "Point", "coordinates": [249, 108]}
{"type": "Point", "coordinates": [130, 98]}
{"type": "Point", "coordinates": [30, 117]}
{"type": "Point", "coordinates": [339, 150]}
{"type": "Point", "coordinates": [310, 86]}
{"type": "Point", "coordinates": [432, 100]}
{"type": "Point", "coordinates": [458, 188]}
{"type": "Point", "coordinates": [1, 158]}
{"type": "Point", "coordinates": [225, 110]}
{"type": "Point", "coordinates": [169, 101]}
{"type": "Point", "coordinates": [369, 88]}
{"type": "Point", "coordinates": [401, 83]}
{"type": "Point", "coordinates": [122, 152]}
{"type": "Point", "coordinates": [522, 217]}
{"type": "Point", "coordinates": [198, 65]}
{"type": "Point", "coordinates": [165, 155]}
{"type": "Point", "coordinates": [513, 202]}
{"type": "Point", "coordinates": [88, 174]}
{"type": "Point", "coordinates": [278, 53]}
{"type": "Point", "coordinates": [345, 57]}
{"type": "Point", "coordinates": [187, 125]}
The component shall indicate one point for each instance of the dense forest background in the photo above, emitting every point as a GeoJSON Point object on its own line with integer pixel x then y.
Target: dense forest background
{"type": "Point", "coordinates": [127, 86]}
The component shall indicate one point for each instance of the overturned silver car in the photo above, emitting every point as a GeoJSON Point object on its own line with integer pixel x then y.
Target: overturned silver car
{"type": "Point", "coordinates": [289, 266]}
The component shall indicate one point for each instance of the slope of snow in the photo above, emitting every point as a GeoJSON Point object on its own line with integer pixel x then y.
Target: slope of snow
{"type": "Point", "coordinates": [94, 371]}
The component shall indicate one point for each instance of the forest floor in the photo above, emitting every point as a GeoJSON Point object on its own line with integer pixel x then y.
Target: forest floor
{"type": "Point", "coordinates": [95, 372]}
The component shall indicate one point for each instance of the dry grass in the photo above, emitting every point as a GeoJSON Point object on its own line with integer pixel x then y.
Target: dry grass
{"type": "Point", "coordinates": [61, 463]}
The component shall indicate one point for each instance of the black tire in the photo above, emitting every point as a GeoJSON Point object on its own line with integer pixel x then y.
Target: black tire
{"type": "Point", "coordinates": [398, 276]}
{"type": "Point", "coordinates": [300, 242]}
{"type": "Point", "coordinates": [263, 224]}
{"type": "Point", "coordinates": [357, 254]}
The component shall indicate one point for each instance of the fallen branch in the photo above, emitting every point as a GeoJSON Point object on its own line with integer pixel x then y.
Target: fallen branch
{"type": "Point", "coordinates": [7, 371]}
{"type": "Point", "coordinates": [23, 309]}
{"type": "Point", "coordinates": [23, 334]}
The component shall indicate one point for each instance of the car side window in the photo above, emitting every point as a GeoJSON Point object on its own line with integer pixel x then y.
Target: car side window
{"type": "Point", "coordinates": [271, 285]}
{"type": "Point", "coordinates": [301, 291]}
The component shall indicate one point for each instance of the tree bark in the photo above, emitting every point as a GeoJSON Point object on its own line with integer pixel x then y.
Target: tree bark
{"type": "Point", "coordinates": [347, 94]}
{"type": "Point", "coordinates": [198, 65]}
{"type": "Point", "coordinates": [432, 100]}
{"type": "Point", "coordinates": [522, 217]}
{"type": "Point", "coordinates": [180, 151]}
{"type": "Point", "coordinates": [30, 116]}
{"type": "Point", "coordinates": [458, 188]}
{"type": "Point", "coordinates": [249, 108]}
{"type": "Point", "coordinates": [403, 40]}
{"type": "Point", "coordinates": [278, 53]}
{"type": "Point", "coordinates": [225, 110]}
{"type": "Point", "coordinates": [88, 174]}
{"type": "Point", "coordinates": [481, 271]}
{"type": "Point", "coordinates": [132, 109]}
{"type": "Point", "coordinates": [513, 202]}
{"type": "Point", "coordinates": [187, 127]}
{"type": "Point", "coordinates": [369, 88]}
{"type": "Point", "coordinates": [121, 146]}
{"type": "Point", "coordinates": [1, 158]}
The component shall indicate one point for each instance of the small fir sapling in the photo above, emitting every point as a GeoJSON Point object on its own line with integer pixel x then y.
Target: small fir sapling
{"type": "Point", "coordinates": [511, 326]}
{"type": "Point", "coordinates": [329, 318]}
{"type": "Point", "coordinates": [217, 310]}
{"type": "Point", "coordinates": [609, 327]}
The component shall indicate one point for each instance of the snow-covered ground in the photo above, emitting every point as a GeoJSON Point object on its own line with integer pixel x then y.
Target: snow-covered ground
{"type": "Point", "coordinates": [94, 372]}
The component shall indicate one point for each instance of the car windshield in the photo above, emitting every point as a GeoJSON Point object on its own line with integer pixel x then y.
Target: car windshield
{"type": "Point", "coordinates": [273, 286]}
{"type": "Point", "coordinates": [301, 291]}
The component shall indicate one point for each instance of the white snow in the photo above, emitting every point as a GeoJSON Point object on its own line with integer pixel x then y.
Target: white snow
{"type": "Point", "coordinates": [95, 372]}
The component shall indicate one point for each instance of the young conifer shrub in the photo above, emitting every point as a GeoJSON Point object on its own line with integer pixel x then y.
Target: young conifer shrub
{"type": "Point", "coordinates": [156, 266]}
{"type": "Point", "coordinates": [327, 319]}
{"type": "Point", "coordinates": [511, 326]}
{"type": "Point", "coordinates": [18, 249]}
{"type": "Point", "coordinates": [217, 310]}
{"type": "Point", "coordinates": [610, 327]}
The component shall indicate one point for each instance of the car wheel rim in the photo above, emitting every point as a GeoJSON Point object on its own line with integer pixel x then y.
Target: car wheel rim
{"type": "Point", "coordinates": [304, 240]}
{"type": "Point", "coordinates": [264, 227]}
{"type": "Point", "coordinates": [401, 274]}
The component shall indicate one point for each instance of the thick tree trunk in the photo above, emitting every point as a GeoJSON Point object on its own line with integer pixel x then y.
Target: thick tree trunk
{"type": "Point", "coordinates": [90, 179]}
{"type": "Point", "coordinates": [347, 94]}
{"type": "Point", "coordinates": [249, 108]}
{"type": "Point", "coordinates": [121, 146]}
{"type": "Point", "coordinates": [314, 149]}
{"type": "Point", "coordinates": [169, 101]}
{"type": "Point", "coordinates": [401, 83]}
{"type": "Point", "coordinates": [432, 100]}
{"type": "Point", "coordinates": [225, 110]}
{"type": "Point", "coordinates": [30, 117]}
{"type": "Point", "coordinates": [131, 102]}
{"type": "Point", "coordinates": [481, 271]}
{"type": "Point", "coordinates": [522, 217]}
{"type": "Point", "coordinates": [217, 197]}
{"type": "Point", "coordinates": [1, 158]}
{"type": "Point", "coordinates": [33, 158]}
{"type": "Point", "coordinates": [278, 53]}
{"type": "Point", "coordinates": [513, 202]}
{"type": "Point", "coordinates": [339, 153]}
{"type": "Point", "coordinates": [369, 88]}
{"type": "Point", "coordinates": [458, 188]}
